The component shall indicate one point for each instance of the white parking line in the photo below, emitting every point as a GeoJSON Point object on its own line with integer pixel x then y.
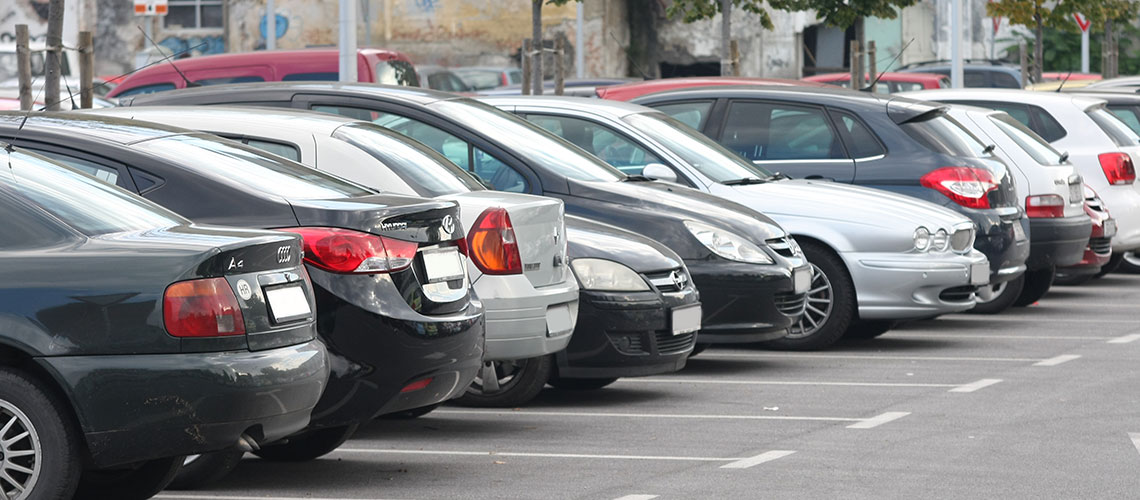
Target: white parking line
{"type": "Point", "coordinates": [1127, 339]}
{"type": "Point", "coordinates": [761, 355]}
{"type": "Point", "coordinates": [1056, 360]}
{"type": "Point", "coordinates": [767, 456]}
{"type": "Point", "coordinates": [876, 421]}
{"type": "Point", "coordinates": [382, 451]}
{"type": "Point", "coordinates": [974, 386]}
{"type": "Point", "coordinates": [185, 496]}
{"type": "Point", "coordinates": [682, 380]}
{"type": "Point", "coordinates": [637, 497]}
{"type": "Point", "coordinates": [1135, 437]}
{"type": "Point", "coordinates": [1017, 319]}
{"type": "Point", "coordinates": [642, 415]}
{"type": "Point", "coordinates": [990, 336]}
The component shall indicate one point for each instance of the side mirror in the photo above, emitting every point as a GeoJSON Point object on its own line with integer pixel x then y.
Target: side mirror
{"type": "Point", "coordinates": [659, 172]}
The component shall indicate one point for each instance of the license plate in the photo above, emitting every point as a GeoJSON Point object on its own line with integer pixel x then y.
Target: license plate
{"type": "Point", "coordinates": [1076, 193]}
{"type": "Point", "coordinates": [801, 280]}
{"type": "Point", "coordinates": [980, 273]}
{"type": "Point", "coordinates": [1110, 228]}
{"type": "Point", "coordinates": [287, 303]}
{"type": "Point", "coordinates": [1018, 231]}
{"type": "Point", "coordinates": [558, 319]}
{"type": "Point", "coordinates": [686, 319]}
{"type": "Point", "coordinates": [442, 264]}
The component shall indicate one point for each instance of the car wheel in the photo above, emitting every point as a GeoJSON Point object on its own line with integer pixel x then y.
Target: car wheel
{"type": "Point", "coordinates": [1130, 263]}
{"type": "Point", "coordinates": [508, 383]}
{"type": "Point", "coordinates": [1036, 285]}
{"type": "Point", "coordinates": [139, 482]}
{"type": "Point", "coordinates": [993, 299]}
{"type": "Point", "coordinates": [1071, 280]}
{"type": "Point", "coordinates": [580, 384]}
{"type": "Point", "coordinates": [308, 446]}
{"type": "Point", "coordinates": [208, 468]}
{"type": "Point", "coordinates": [1115, 262]}
{"type": "Point", "coordinates": [39, 457]}
{"type": "Point", "coordinates": [830, 304]}
{"type": "Point", "coordinates": [413, 413]}
{"type": "Point", "coordinates": [869, 329]}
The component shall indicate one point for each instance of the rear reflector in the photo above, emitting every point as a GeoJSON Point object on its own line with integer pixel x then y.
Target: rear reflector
{"type": "Point", "coordinates": [1044, 206]}
{"type": "Point", "coordinates": [202, 308]}
{"type": "Point", "coordinates": [346, 251]}
{"type": "Point", "coordinates": [492, 244]}
{"type": "Point", "coordinates": [1118, 168]}
{"type": "Point", "coordinates": [417, 385]}
{"type": "Point", "coordinates": [966, 186]}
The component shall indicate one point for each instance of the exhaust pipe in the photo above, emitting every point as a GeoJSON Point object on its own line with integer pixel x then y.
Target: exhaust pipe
{"type": "Point", "coordinates": [246, 443]}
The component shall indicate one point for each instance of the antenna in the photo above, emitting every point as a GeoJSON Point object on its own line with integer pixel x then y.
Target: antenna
{"type": "Point", "coordinates": [11, 146]}
{"type": "Point", "coordinates": [136, 70]}
{"type": "Point", "coordinates": [172, 65]}
{"type": "Point", "coordinates": [1064, 81]}
{"type": "Point", "coordinates": [870, 88]}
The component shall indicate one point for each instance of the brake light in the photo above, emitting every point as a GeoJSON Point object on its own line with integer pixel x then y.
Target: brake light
{"type": "Point", "coordinates": [492, 243]}
{"type": "Point", "coordinates": [353, 252]}
{"type": "Point", "coordinates": [966, 186]}
{"type": "Point", "coordinates": [202, 308]}
{"type": "Point", "coordinates": [417, 385]}
{"type": "Point", "coordinates": [1118, 168]}
{"type": "Point", "coordinates": [1044, 206]}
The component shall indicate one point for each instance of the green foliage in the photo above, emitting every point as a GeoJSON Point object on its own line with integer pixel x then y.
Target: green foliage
{"type": "Point", "coordinates": [1096, 11]}
{"type": "Point", "coordinates": [844, 13]}
{"type": "Point", "coordinates": [1063, 49]}
{"type": "Point", "coordinates": [696, 10]}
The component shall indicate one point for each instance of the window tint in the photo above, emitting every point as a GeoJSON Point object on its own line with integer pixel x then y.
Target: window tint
{"type": "Point", "coordinates": [283, 150]}
{"type": "Point", "coordinates": [497, 173]}
{"type": "Point", "coordinates": [147, 89]}
{"type": "Point", "coordinates": [599, 140]}
{"type": "Point", "coordinates": [311, 77]}
{"type": "Point", "coordinates": [1130, 115]}
{"type": "Point", "coordinates": [425, 170]}
{"type": "Point", "coordinates": [1119, 132]}
{"type": "Point", "coordinates": [447, 82]}
{"type": "Point", "coordinates": [1003, 80]}
{"type": "Point", "coordinates": [1032, 143]}
{"type": "Point", "coordinates": [230, 79]}
{"type": "Point", "coordinates": [693, 114]}
{"type": "Point", "coordinates": [907, 86]}
{"type": "Point", "coordinates": [514, 76]}
{"type": "Point", "coordinates": [24, 226]}
{"type": "Point", "coordinates": [861, 142]}
{"type": "Point", "coordinates": [480, 79]}
{"type": "Point", "coordinates": [396, 72]}
{"type": "Point", "coordinates": [777, 131]}
{"type": "Point", "coordinates": [974, 79]}
{"type": "Point", "coordinates": [944, 135]}
{"type": "Point", "coordinates": [695, 148]}
{"type": "Point", "coordinates": [101, 172]}
{"type": "Point", "coordinates": [1046, 127]}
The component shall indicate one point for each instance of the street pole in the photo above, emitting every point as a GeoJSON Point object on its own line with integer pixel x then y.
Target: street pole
{"type": "Point", "coordinates": [270, 25]}
{"type": "Point", "coordinates": [725, 36]}
{"type": "Point", "coordinates": [346, 41]}
{"type": "Point", "coordinates": [956, 44]}
{"type": "Point", "coordinates": [53, 55]}
{"type": "Point", "coordinates": [1084, 51]}
{"type": "Point", "coordinates": [580, 45]}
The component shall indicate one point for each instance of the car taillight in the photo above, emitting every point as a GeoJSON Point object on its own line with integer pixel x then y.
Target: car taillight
{"type": "Point", "coordinates": [1044, 206]}
{"type": "Point", "coordinates": [202, 308]}
{"type": "Point", "coordinates": [346, 251]}
{"type": "Point", "coordinates": [1118, 168]}
{"type": "Point", "coordinates": [966, 186]}
{"type": "Point", "coordinates": [492, 244]}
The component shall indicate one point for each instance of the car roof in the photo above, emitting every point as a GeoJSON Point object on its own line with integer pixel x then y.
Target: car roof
{"type": "Point", "coordinates": [321, 124]}
{"type": "Point", "coordinates": [285, 91]}
{"type": "Point", "coordinates": [113, 130]}
{"type": "Point", "coordinates": [616, 109]}
{"type": "Point", "coordinates": [824, 94]}
{"type": "Point", "coordinates": [632, 90]}
{"type": "Point", "coordinates": [890, 76]}
{"type": "Point", "coordinates": [1008, 95]}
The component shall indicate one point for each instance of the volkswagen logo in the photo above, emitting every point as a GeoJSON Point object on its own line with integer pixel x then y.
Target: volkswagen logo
{"type": "Point", "coordinates": [448, 224]}
{"type": "Point", "coordinates": [284, 254]}
{"type": "Point", "coordinates": [679, 279]}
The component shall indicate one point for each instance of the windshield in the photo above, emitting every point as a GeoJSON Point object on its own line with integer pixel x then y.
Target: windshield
{"type": "Point", "coordinates": [250, 167]}
{"type": "Point", "coordinates": [85, 203]}
{"type": "Point", "coordinates": [481, 79]}
{"type": "Point", "coordinates": [425, 170]}
{"type": "Point", "coordinates": [1119, 132]}
{"type": "Point", "coordinates": [1041, 151]}
{"type": "Point", "coordinates": [396, 72]}
{"type": "Point", "coordinates": [529, 141]}
{"type": "Point", "coordinates": [944, 135]}
{"type": "Point", "coordinates": [700, 152]}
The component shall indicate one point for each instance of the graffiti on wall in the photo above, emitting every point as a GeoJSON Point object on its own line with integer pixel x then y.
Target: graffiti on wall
{"type": "Point", "coordinates": [201, 45]}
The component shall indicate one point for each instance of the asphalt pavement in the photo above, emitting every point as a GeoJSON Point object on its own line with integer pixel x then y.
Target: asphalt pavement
{"type": "Point", "coordinates": [1039, 402]}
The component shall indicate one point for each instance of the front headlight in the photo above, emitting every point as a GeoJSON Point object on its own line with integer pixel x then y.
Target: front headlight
{"type": "Point", "coordinates": [606, 275]}
{"type": "Point", "coordinates": [940, 241]}
{"type": "Point", "coordinates": [727, 245]}
{"type": "Point", "coordinates": [921, 239]}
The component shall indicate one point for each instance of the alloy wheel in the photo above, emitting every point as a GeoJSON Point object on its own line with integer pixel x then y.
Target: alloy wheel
{"type": "Point", "coordinates": [20, 453]}
{"type": "Point", "coordinates": [497, 376]}
{"type": "Point", "coordinates": [988, 293]}
{"type": "Point", "coordinates": [1132, 258]}
{"type": "Point", "coordinates": [818, 305]}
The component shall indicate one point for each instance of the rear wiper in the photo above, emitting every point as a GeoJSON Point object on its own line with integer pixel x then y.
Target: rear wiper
{"type": "Point", "coordinates": [1064, 157]}
{"type": "Point", "coordinates": [989, 149]}
{"type": "Point", "coordinates": [745, 181]}
{"type": "Point", "coordinates": [780, 176]}
{"type": "Point", "coordinates": [637, 178]}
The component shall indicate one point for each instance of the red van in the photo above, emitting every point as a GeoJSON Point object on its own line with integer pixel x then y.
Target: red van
{"type": "Point", "coordinates": [373, 66]}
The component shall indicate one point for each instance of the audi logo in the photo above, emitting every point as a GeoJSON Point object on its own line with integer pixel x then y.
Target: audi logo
{"type": "Point", "coordinates": [284, 254]}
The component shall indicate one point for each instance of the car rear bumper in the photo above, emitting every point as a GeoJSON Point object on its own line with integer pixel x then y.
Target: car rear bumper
{"type": "Point", "coordinates": [1001, 243]}
{"type": "Point", "coordinates": [1123, 203]}
{"type": "Point", "coordinates": [142, 407]}
{"type": "Point", "coordinates": [627, 334]}
{"type": "Point", "coordinates": [744, 302]}
{"type": "Point", "coordinates": [523, 321]}
{"type": "Point", "coordinates": [912, 285]}
{"type": "Point", "coordinates": [1057, 242]}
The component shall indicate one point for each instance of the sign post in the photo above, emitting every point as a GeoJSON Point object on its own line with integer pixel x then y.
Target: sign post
{"type": "Point", "coordinates": [1084, 24]}
{"type": "Point", "coordinates": [149, 9]}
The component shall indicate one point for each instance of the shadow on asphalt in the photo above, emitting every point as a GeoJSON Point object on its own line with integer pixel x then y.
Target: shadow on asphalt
{"type": "Point", "coordinates": [321, 474]}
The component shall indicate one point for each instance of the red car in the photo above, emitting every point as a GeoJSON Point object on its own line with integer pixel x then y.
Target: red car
{"type": "Point", "coordinates": [373, 66]}
{"type": "Point", "coordinates": [889, 83]}
{"type": "Point", "coordinates": [633, 90]}
{"type": "Point", "coordinates": [1099, 249]}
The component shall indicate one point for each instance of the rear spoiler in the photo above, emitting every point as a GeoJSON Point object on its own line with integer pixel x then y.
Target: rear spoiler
{"type": "Point", "coordinates": [906, 111]}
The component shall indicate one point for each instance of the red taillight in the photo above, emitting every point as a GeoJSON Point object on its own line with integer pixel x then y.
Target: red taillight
{"type": "Point", "coordinates": [492, 243]}
{"type": "Point", "coordinates": [346, 251]}
{"type": "Point", "coordinates": [417, 385]}
{"type": "Point", "coordinates": [202, 308]}
{"type": "Point", "coordinates": [1044, 206]}
{"type": "Point", "coordinates": [1118, 168]}
{"type": "Point", "coordinates": [967, 186]}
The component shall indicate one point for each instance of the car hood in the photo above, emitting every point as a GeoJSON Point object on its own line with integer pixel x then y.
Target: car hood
{"type": "Point", "coordinates": [591, 239]}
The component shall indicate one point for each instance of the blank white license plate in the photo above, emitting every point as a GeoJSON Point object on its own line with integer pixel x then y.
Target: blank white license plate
{"type": "Point", "coordinates": [558, 319]}
{"type": "Point", "coordinates": [1018, 231]}
{"type": "Point", "coordinates": [1110, 228]}
{"type": "Point", "coordinates": [1076, 193]}
{"type": "Point", "coordinates": [442, 264]}
{"type": "Point", "coordinates": [801, 280]}
{"type": "Point", "coordinates": [980, 273]}
{"type": "Point", "coordinates": [287, 303]}
{"type": "Point", "coordinates": [686, 319]}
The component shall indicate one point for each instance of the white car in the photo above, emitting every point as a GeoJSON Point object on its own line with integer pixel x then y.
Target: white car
{"type": "Point", "coordinates": [517, 243]}
{"type": "Point", "coordinates": [1104, 150]}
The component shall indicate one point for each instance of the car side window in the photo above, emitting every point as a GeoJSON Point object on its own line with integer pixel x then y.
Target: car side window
{"type": "Point", "coordinates": [110, 175]}
{"type": "Point", "coordinates": [147, 89]}
{"type": "Point", "coordinates": [1004, 81]}
{"type": "Point", "coordinates": [1019, 112]}
{"type": "Point", "coordinates": [601, 141]}
{"type": "Point", "coordinates": [974, 79]}
{"type": "Point", "coordinates": [694, 113]}
{"type": "Point", "coordinates": [777, 131]}
{"type": "Point", "coordinates": [1129, 115]}
{"type": "Point", "coordinates": [1045, 126]}
{"type": "Point", "coordinates": [861, 142]}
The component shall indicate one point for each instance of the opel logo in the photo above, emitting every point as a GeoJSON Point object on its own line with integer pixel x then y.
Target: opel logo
{"type": "Point", "coordinates": [448, 224]}
{"type": "Point", "coordinates": [678, 279]}
{"type": "Point", "coordinates": [284, 254]}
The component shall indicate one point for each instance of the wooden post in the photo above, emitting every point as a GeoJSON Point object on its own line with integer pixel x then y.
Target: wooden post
{"type": "Point", "coordinates": [86, 69]}
{"type": "Point", "coordinates": [537, 46]}
{"type": "Point", "coordinates": [559, 66]}
{"type": "Point", "coordinates": [856, 70]}
{"type": "Point", "coordinates": [734, 52]}
{"type": "Point", "coordinates": [54, 53]}
{"type": "Point", "coordinates": [1023, 57]}
{"type": "Point", "coordinates": [872, 65]}
{"type": "Point", "coordinates": [24, 66]}
{"type": "Point", "coordinates": [524, 60]}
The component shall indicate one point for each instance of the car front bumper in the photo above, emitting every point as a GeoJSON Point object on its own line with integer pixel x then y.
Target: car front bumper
{"type": "Point", "coordinates": [1057, 241]}
{"type": "Point", "coordinates": [1123, 203]}
{"type": "Point", "coordinates": [142, 407]}
{"type": "Point", "coordinates": [745, 302]}
{"type": "Point", "coordinates": [895, 286]}
{"type": "Point", "coordinates": [524, 321]}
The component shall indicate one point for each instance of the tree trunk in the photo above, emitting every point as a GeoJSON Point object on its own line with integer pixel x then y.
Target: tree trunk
{"type": "Point", "coordinates": [859, 35]}
{"type": "Point", "coordinates": [725, 36]}
{"type": "Point", "coordinates": [54, 52]}
{"type": "Point", "coordinates": [536, 46]}
{"type": "Point", "coordinates": [1038, 46]}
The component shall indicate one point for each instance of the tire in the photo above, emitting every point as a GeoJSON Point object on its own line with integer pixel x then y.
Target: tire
{"type": "Point", "coordinates": [28, 406]}
{"type": "Point", "coordinates": [1078, 280]}
{"type": "Point", "coordinates": [1037, 284]}
{"type": "Point", "coordinates": [206, 469]}
{"type": "Point", "coordinates": [1004, 294]}
{"type": "Point", "coordinates": [412, 413]}
{"type": "Point", "coordinates": [869, 329]}
{"type": "Point", "coordinates": [580, 384]}
{"type": "Point", "coordinates": [519, 381]}
{"type": "Point", "coordinates": [138, 483]}
{"type": "Point", "coordinates": [308, 446]}
{"type": "Point", "coordinates": [830, 305]}
{"type": "Point", "coordinates": [1115, 262]}
{"type": "Point", "coordinates": [1130, 263]}
{"type": "Point", "coordinates": [698, 348]}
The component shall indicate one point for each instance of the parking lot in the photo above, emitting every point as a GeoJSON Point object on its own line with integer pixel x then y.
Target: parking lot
{"type": "Point", "coordinates": [1036, 402]}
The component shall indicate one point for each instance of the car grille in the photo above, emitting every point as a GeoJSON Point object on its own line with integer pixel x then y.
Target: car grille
{"type": "Point", "coordinates": [790, 304]}
{"type": "Point", "coordinates": [644, 343]}
{"type": "Point", "coordinates": [673, 280]}
{"type": "Point", "coordinates": [962, 240]}
{"type": "Point", "coordinates": [1101, 246]}
{"type": "Point", "coordinates": [667, 343]}
{"type": "Point", "coordinates": [1095, 204]}
{"type": "Point", "coordinates": [783, 246]}
{"type": "Point", "coordinates": [958, 294]}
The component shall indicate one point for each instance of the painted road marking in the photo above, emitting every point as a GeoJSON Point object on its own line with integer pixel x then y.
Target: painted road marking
{"type": "Point", "coordinates": [1054, 361]}
{"type": "Point", "coordinates": [1135, 436]}
{"type": "Point", "coordinates": [1127, 339]}
{"type": "Point", "coordinates": [637, 497]}
{"type": "Point", "coordinates": [1012, 319]}
{"type": "Point", "coordinates": [758, 355]}
{"type": "Point", "coordinates": [997, 337]}
{"type": "Point", "coordinates": [682, 380]}
{"type": "Point", "coordinates": [185, 496]}
{"type": "Point", "coordinates": [643, 415]}
{"type": "Point", "coordinates": [533, 455]}
{"type": "Point", "coordinates": [767, 456]}
{"type": "Point", "coordinates": [974, 386]}
{"type": "Point", "coordinates": [876, 421]}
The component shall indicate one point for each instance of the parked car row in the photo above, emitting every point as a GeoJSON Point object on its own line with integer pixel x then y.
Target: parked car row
{"type": "Point", "coordinates": [364, 251]}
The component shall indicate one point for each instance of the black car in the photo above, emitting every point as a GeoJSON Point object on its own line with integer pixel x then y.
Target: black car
{"type": "Point", "coordinates": [127, 338]}
{"type": "Point", "coordinates": [392, 293]}
{"type": "Point", "coordinates": [975, 74]}
{"type": "Point", "coordinates": [739, 259]}
{"type": "Point", "coordinates": [891, 143]}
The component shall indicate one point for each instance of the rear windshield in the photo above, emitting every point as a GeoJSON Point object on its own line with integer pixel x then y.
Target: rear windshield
{"type": "Point", "coordinates": [244, 165]}
{"type": "Point", "coordinates": [425, 170]}
{"type": "Point", "coordinates": [1119, 132]}
{"type": "Point", "coordinates": [944, 135]}
{"type": "Point", "coordinates": [1041, 151]}
{"type": "Point", "coordinates": [396, 72]}
{"type": "Point", "coordinates": [81, 201]}
{"type": "Point", "coordinates": [481, 79]}
{"type": "Point", "coordinates": [1128, 114]}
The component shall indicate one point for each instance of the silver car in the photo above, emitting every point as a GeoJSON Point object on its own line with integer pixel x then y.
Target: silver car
{"type": "Point", "coordinates": [877, 257]}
